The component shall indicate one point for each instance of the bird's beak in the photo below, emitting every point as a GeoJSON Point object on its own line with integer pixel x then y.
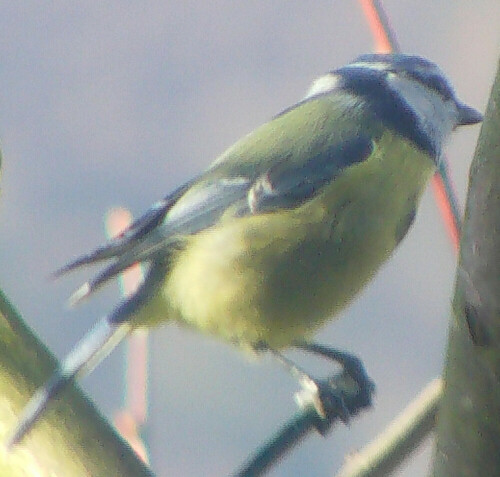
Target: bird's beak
{"type": "Point", "coordinates": [468, 115]}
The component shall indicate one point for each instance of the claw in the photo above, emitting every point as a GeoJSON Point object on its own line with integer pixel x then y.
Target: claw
{"type": "Point", "coordinates": [326, 398]}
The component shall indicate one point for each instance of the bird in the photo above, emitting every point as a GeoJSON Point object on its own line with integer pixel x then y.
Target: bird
{"type": "Point", "coordinates": [283, 230]}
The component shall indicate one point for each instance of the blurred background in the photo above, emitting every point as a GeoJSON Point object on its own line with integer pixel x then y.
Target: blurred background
{"type": "Point", "coordinates": [106, 104]}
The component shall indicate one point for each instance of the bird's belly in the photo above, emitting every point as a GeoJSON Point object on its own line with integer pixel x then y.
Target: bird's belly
{"type": "Point", "coordinates": [276, 282]}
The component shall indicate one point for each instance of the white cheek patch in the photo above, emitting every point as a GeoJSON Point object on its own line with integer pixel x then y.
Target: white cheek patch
{"type": "Point", "coordinates": [436, 117]}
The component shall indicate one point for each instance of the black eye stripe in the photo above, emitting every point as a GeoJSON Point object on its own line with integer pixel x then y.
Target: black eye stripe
{"type": "Point", "coordinates": [432, 81]}
{"type": "Point", "coordinates": [385, 103]}
{"type": "Point", "coordinates": [413, 67]}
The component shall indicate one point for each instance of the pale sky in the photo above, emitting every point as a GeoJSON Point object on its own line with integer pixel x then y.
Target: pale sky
{"type": "Point", "coordinates": [117, 103]}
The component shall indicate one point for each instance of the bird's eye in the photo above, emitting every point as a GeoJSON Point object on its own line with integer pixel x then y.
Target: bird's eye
{"type": "Point", "coordinates": [436, 83]}
{"type": "Point", "coordinates": [439, 84]}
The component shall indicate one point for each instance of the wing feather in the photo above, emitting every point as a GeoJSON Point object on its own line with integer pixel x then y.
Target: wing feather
{"type": "Point", "coordinates": [279, 182]}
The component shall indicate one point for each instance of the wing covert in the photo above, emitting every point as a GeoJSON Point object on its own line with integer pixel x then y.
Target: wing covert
{"type": "Point", "coordinates": [289, 185]}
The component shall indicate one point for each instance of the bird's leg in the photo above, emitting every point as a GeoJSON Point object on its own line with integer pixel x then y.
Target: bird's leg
{"type": "Point", "coordinates": [341, 395]}
{"type": "Point", "coordinates": [352, 384]}
{"type": "Point", "coordinates": [314, 391]}
{"type": "Point", "coordinates": [351, 364]}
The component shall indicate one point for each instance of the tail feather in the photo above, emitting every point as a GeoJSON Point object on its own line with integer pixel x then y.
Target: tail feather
{"type": "Point", "coordinates": [91, 350]}
{"type": "Point", "coordinates": [107, 274]}
{"type": "Point", "coordinates": [105, 252]}
{"type": "Point", "coordinates": [128, 239]}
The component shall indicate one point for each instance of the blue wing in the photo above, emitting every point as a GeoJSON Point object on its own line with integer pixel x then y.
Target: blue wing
{"type": "Point", "coordinates": [191, 208]}
{"type": "Point", "coordinates": [200, 204]}
{"type": "Point", "coordinates": [288, 186]}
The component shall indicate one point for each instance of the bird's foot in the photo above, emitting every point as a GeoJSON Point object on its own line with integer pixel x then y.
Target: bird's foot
{"type": "Point", "coordinates": [339, 396]}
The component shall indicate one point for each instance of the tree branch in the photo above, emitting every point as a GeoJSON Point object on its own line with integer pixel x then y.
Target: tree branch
{"type": "Point", "coordinates": [72, 439]}
{"type": "Point", "coordinates": [468, 432]}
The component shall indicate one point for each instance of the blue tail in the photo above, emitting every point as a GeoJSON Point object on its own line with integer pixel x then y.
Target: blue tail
{"type": "Point", "coordinates": [91, 350]}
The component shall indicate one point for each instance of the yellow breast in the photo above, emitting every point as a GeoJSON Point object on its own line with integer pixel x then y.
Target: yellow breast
{"type": "Point", "coordinates": [276, 277]}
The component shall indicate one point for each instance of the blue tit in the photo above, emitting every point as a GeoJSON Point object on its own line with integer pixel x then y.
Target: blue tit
{"type": "Point", "coordinates": [284, 229]}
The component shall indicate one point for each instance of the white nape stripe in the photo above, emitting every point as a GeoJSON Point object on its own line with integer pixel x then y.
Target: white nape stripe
{"type": "Point", "coordinates": [321, 85]}
{"type": "Point", "coordinates": [326, 83]}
